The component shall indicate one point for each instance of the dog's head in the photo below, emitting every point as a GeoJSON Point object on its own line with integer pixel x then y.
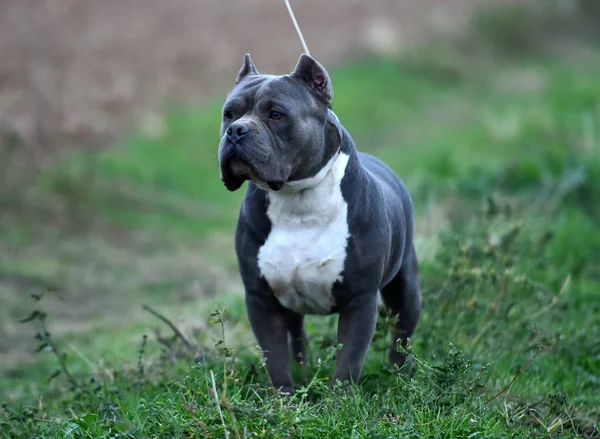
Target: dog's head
{"type": "Point", "coordinates": [278, 129]}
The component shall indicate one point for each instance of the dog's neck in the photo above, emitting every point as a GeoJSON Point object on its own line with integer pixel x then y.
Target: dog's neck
{"type": "Point", "coordinates": [292, 187]}
{"type": "Point", "coordinates": [314, 199]}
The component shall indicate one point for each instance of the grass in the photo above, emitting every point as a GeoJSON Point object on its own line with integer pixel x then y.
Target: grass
{"type": "Point", "coordinates": [504, 165]}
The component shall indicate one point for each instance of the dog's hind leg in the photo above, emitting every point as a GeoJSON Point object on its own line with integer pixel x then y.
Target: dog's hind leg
{"type": "Point", "coordinates": [402, 297]}
{"type": "Point", "coordinates": [297, 335]}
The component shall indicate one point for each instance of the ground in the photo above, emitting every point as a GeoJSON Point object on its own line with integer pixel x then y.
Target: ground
{"type": "Point", "coordinates": [500, 152]}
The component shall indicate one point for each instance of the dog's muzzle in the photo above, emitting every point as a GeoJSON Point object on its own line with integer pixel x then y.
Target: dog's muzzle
{"type": "Point", "coordinates": [237, 168]}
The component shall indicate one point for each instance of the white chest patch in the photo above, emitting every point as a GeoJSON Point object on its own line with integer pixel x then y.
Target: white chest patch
{"type": "Point", "coordinates": [304, 254]}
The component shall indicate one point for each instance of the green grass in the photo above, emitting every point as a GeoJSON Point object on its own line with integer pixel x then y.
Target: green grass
{"type": "Point", "coordinates": [504, 167]}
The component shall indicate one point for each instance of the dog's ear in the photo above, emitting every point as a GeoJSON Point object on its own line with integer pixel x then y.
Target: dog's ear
{"type": "Point", "coordinates": [247, 69]}
{"type": "Point", "coordinates": [313, 74]}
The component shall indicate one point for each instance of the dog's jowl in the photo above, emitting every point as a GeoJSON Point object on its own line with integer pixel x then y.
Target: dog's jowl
{"type": "Point", "coordinates": [322, 228]}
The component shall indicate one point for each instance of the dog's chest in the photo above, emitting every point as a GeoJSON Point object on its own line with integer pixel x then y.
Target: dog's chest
{"type": "Point", "coordinates": [305, 252]}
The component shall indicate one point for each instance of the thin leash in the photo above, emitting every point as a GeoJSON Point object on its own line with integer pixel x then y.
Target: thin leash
{"type": "Point", "coordinates": [293, 17]}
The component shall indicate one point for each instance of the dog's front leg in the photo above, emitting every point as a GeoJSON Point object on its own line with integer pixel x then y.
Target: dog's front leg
{"type": "Point", "coordinates": [267, 319]}
{"type": "Point", "coordinates": [356, 328]}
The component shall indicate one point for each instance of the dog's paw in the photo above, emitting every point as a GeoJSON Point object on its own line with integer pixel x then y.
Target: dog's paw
{"type": "Point", "coordinates": [284, 389]}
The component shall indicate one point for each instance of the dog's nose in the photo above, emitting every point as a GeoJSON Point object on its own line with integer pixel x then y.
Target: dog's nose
{"type": "Point", "coordinates": [236, 131]}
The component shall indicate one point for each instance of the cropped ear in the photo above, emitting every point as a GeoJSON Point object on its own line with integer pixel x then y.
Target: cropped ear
{"type": "Point", "coordinates": [313, 74]}
{"type": "Point", "coordinates": [247, 69]}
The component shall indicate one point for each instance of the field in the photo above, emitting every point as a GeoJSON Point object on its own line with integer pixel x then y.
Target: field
{"type": "Point", "coordinates": [502, 157]}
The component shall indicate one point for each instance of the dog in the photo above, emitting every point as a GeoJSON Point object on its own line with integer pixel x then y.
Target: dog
{"type": "Point", "coordinates": [322, 227]}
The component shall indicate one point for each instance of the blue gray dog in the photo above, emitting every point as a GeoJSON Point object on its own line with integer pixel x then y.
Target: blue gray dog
{"type": "Point", "coordinates": [322, 228]}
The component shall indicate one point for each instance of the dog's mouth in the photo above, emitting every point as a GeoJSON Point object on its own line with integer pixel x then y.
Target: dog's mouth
{"type": "Point", "coordinates": [276, 185]}
{"type": "Point", "coordinates": [236, 169]}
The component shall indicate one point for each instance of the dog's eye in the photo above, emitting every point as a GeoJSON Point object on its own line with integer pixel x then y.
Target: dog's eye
{"type": "Point", "coordinates": [228, 114]}
{"type": "Point", "coordinates": [275, 115]}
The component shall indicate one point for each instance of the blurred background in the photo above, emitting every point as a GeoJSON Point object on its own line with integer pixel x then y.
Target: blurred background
{"type": "Point", "coordinates": [109, 116]}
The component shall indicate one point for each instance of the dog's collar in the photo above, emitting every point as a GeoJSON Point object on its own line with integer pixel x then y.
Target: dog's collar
{"type": "Point", "coordinates": [310, 182]}
{"type": "Point", "coordinates": [292, 187]}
